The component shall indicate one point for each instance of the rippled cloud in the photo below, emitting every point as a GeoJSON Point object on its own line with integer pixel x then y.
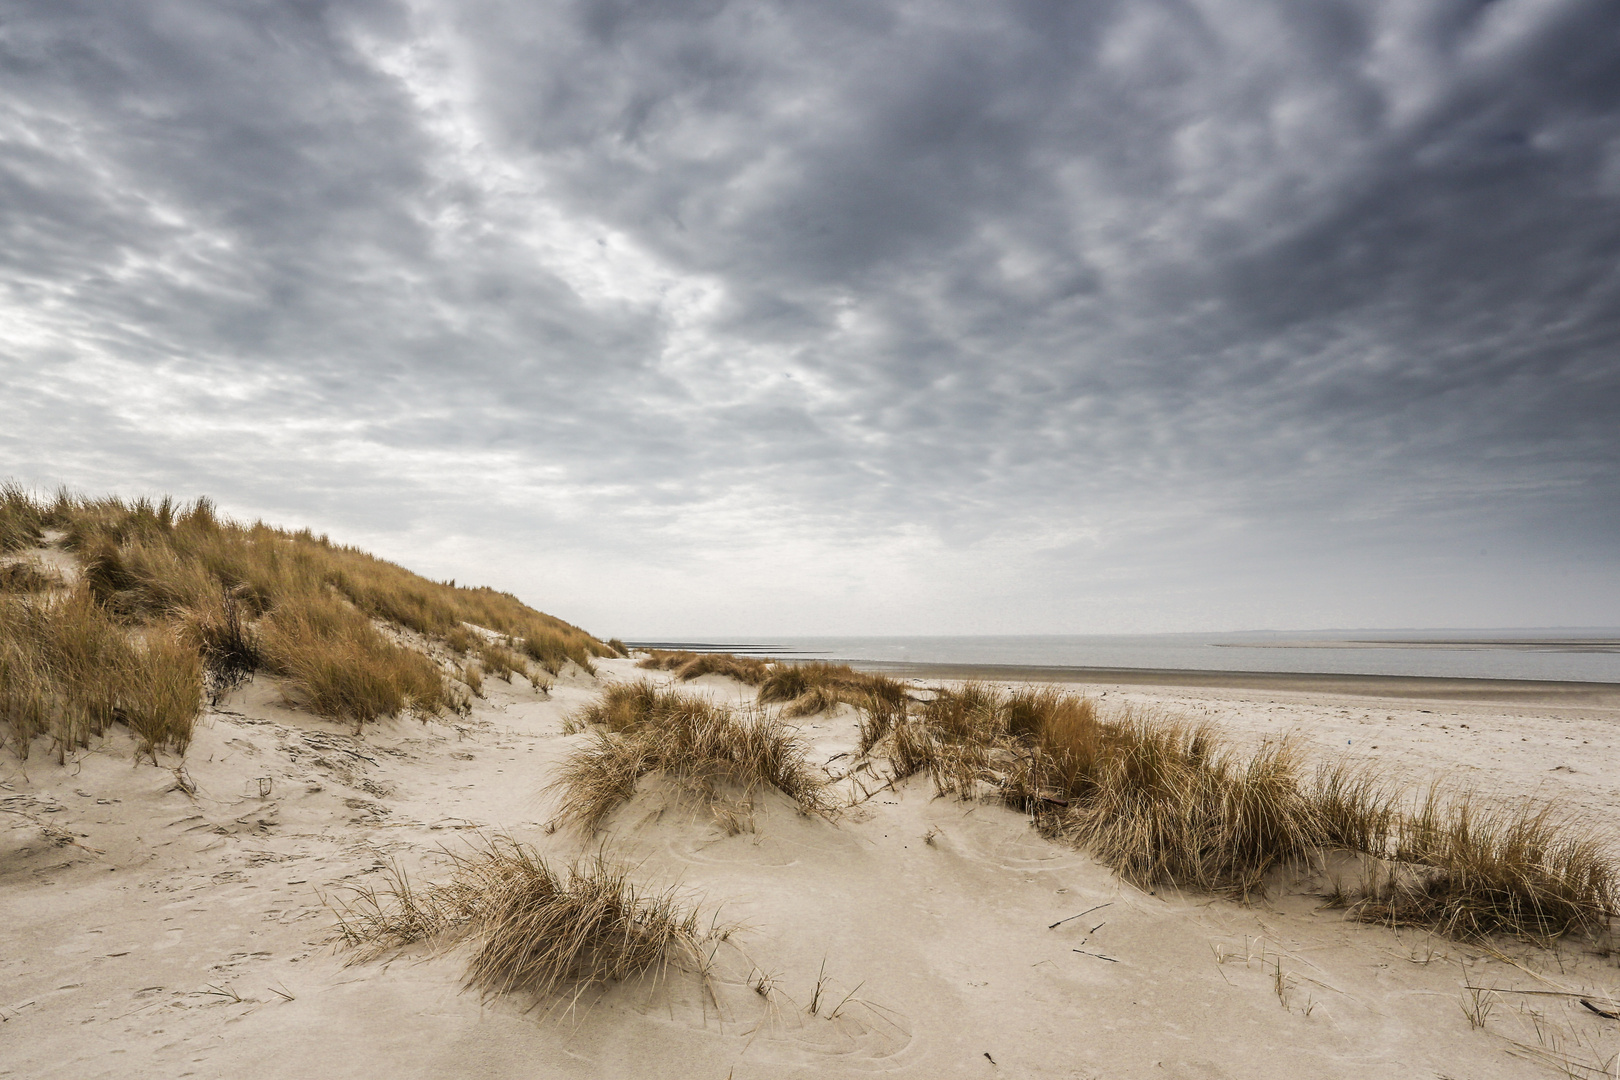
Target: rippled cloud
{"type": "Point", "coordinates": [701, 317]}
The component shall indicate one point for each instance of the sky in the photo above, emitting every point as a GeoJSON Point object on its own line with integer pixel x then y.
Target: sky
{"type": "Point", "coordinates": [687, 317]}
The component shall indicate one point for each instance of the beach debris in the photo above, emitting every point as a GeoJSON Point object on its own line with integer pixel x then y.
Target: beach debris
{"type": "Point", "coordinates": [1088, 911]}
{"type": "Point", "coordinates": [1607, 1014]}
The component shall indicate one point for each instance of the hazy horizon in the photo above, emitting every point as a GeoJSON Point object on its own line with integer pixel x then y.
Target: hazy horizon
{"type": "Point", "coordinates": [1130, 317]}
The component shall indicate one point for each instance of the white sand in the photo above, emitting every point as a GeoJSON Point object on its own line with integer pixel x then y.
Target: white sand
{"type": "Point", "coordinates": [133, 915]}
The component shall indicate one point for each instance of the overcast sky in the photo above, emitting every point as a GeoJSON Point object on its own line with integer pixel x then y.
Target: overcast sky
{"type": "Point", "coordinates": [707, 318]}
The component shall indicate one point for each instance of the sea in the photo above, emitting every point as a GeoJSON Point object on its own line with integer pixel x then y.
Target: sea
{"type": "Point", "coordinates": [1552, 655]}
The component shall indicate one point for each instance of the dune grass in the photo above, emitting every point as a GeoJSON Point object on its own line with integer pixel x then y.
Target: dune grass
{"type": "Point", "coordinates": [335, 663]}
{"type": "Point", "coordinates": [148, 558]}
{"type": "Point", "coordinates": [69, 670]}
{"type": "Point", "coordinates": [811, 688]}
{"type": "Point", "coordinates": [22, 518]}
{"type": "Point", "coordinates": [162, 579]}
{"type": "Point", "coordinates": [531, 927]}
{"type": "Point", "coordinates": [691, 665]}
{"type": "Point", "coordinates": [28, 577]}
{"type": "Point", "coordinates": [1454, 861]}
{"type": "Point", "coordinates": [640, 728]}
{"type": "Point", "coordinates": [1164, 801]}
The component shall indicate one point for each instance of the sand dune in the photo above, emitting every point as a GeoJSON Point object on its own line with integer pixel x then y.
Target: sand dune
{"type": "Point", "coordinates": [172, 920]}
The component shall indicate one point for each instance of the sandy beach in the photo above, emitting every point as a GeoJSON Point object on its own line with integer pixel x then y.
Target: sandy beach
{"type": "Point", "coordinates": [176, 920]}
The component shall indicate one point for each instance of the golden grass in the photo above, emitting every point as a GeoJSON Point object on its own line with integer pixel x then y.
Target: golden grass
{"type": "Point", "coordinates": [1157, 800]}
{"type": "Point", "coordinates": [1458, 863]}
{"type": "Point", "coordinates": [215, 625]}
{"type": "Point", "coordinates": [1165, 801]}
{"type": "Point", "coordinates": [22, 518]}
{"type": "Point", "coordinates": [142, 557]}
{"type": "Point", "coordinates": [163, 579]}
{"type": "Point", "coordinates": [336, 664]}
{"type": "Point", "coordinates": [691, 665]}
{"type": "Point", "coordinates": [647, 729]}
{"type": "Point", "coordinates": [815, 687]}
{"type": "Point", "coordinates": [531, 928]}
{"type": "Point", "coordinates": [502, 662]}
{"type": "Point", "coordinates": [69, 670]}
{"type": "Point", "coordinates": [28, 577]}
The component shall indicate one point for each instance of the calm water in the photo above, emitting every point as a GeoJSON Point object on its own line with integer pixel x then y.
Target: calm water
{"type": "Point", "coordinates": [1585, 655]}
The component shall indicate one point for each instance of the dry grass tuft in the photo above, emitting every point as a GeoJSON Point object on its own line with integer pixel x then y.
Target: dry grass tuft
{"type": "Point", "coordinates": [1470, 867]}
{"type": "Point", "coordinates": [335, 663]}
{"type": "Point", "coordinates": [1162, 802]}
{"type": "Point", "coordinates": [502, 662]}
{"type": "Point", "coordinates": [691, 665]}
{"type": "Point", "coordinates": [216, 626]}
{"type": "Point", "coordinates": [69, 670]}
{"type": "Point", "coordinates": [532, 928]}
{"type": "Point", "coordinates": [879, 716]}
{"type": "Point", "coordinates": [825, 685]}
{"type": "Point", "coordinates": [22, 518]}
{"type": "Point", "coordinates": [1156, 800]}
{"type": "Point", "coordinates": [646, 729]}
{"type": "Point", "coordinates": [28, 577]}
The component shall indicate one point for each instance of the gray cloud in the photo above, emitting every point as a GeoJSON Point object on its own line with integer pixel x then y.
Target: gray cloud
{"type": "Point", "coordinates": [691, 316]}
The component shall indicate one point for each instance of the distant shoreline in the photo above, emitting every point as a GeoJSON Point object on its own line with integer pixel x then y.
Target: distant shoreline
{"type": "Point", "coordinates": [1527, 691]}
{"type": "Point", "coordinates": [1551, 644]}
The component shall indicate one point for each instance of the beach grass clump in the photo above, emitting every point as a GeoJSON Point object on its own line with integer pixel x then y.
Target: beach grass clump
{"type": "Point", "coordinates": [1164, 802]}
{"type": "Point", "coordinates": [531, 927]}
{"type": "Point", "coordinates": [27, 576]}
{"type": "Point", "coordinates": [691, 665]}
{"type": "Point", "coordinates": [640, 729]}
{"type": "Point", "coordinates": [814, 687]}
{"type": "Point", "coordinates": [69, 670]}
{"type": "Point", "coordinates": [1159, 801]}
{"type": "Point", "coordinates": [335, 663]}
{"type": "Point", "coordinates": [501, 662]}
{"type": "Point", "coordinates": [879, 716]}
{"type": "Point", "coordinates": [22, 518]}
{"type": "Point", "coordinates": [216, 625]}
{"type": "Point", "coordinates": [1465, 865]}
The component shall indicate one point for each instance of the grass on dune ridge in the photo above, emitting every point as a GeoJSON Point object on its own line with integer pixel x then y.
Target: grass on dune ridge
{"type": "Point", "coordinates": [1162, 800]}
{"type": "Point", "coordinates": [641, 728]}
{"type": "Point", "coordinates": [530, 926]}
{"type": "Point", "coordinates": [180, 596]}
{"type": "Point", "coordinates": [803, 688]}
{"type": "Point", "coordinates": [687, 666]}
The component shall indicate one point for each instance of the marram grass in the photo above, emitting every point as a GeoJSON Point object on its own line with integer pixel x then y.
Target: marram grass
{"type": "Point", "coordinates": [172, 599]}
{"type": "Point", "coordinates": [638, 728]}
{"type": "Point", "coordinates": [1164, 801]}
{"type": "Point", "coordinates": [531, 927]}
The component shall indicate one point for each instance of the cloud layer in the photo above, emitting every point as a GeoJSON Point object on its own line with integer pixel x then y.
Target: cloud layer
{"type": "Point", "coordinates": [686, 317]}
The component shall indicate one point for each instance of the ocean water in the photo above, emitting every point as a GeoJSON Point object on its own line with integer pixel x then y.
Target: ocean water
{"type": "Point", "coordinates": [1585, 655]}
